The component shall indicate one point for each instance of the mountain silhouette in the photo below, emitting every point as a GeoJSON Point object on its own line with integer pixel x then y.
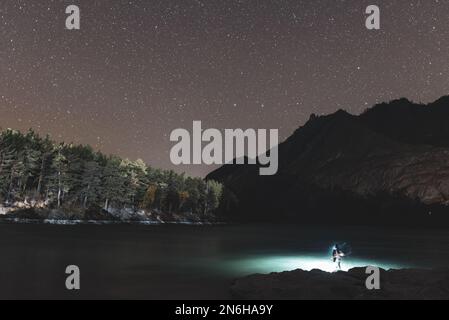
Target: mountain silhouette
{"type": "Point", "coordinates": [388, 166]}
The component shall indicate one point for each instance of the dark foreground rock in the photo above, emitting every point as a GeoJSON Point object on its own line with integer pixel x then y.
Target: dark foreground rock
{"type": "Point", "coordinates": [410, 284]}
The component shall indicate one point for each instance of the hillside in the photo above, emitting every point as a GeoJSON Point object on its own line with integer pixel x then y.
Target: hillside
{"type": "Point", "coordinates": [389, 165]}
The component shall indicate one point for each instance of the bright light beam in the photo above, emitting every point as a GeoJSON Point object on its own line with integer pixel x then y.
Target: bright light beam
{"type": "Point", "coordinates": [268, 264]}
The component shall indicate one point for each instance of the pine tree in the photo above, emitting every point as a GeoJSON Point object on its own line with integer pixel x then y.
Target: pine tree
{"type": "Point", "coordinates": [91, 183]}
{"type": "Point", "coordinates": [58, 184]}
{"type": "Point", "coordinates": [31, 161]}
{"type": "Point", "coordinates": [7, 156]}
{"type": "Point", "coordinates": [75, 176]}
{"type": "Point", "coordinates": [47, 151]}
{"type": "Point", "coordinates": [214, 195]}
{"type": "Point", "coordinates": [113, 183]}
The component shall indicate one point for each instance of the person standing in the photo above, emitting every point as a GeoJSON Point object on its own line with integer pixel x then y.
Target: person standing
{"type": "Point", "coordinates": [337, 256]}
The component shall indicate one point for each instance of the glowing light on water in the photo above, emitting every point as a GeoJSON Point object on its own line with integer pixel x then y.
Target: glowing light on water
{"type": "Point", "coordinates": [268, 264]}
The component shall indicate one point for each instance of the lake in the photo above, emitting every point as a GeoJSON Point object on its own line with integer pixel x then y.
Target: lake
{"type": "Point", "coordinates": [191, 262]}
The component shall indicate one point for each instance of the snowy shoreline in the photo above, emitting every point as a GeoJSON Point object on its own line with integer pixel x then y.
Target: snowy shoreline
{"type": "Point", "coordinates": [104, 222]}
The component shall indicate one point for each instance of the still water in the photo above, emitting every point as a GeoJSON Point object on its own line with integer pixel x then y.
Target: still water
{"type": "Point", "coordinates": [192, 262]}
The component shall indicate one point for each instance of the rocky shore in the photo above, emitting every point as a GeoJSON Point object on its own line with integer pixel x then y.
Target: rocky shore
{"type": "Point", "coordinates": [406, 284]}
{"type": "Point", "coordinates": [97, 216]}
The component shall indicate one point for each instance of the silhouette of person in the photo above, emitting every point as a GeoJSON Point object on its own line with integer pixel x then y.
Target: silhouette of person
{"type": "Point", "coordinates": [337, 256]}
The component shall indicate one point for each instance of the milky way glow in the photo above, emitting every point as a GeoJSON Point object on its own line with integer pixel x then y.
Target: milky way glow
{"type": "Point", "coordinates": [138, 69]}
{"type": "Point", "coordinates": [268, 264]}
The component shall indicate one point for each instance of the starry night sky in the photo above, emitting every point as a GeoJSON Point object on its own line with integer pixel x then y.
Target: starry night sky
{"type": "Point", "coordinates": [139, 69]}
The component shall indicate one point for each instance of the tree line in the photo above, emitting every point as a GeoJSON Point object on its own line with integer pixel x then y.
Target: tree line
{"type": "Point", "coordinates": [36, 170]}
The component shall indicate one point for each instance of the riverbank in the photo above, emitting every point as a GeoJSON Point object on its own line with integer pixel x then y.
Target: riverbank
{"type": "Point", "coordinates": [99, 216]}
{"type": "Point", "coordinates": [103, 222]}
{"type": "Point", "coordinates": [405, 284]}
